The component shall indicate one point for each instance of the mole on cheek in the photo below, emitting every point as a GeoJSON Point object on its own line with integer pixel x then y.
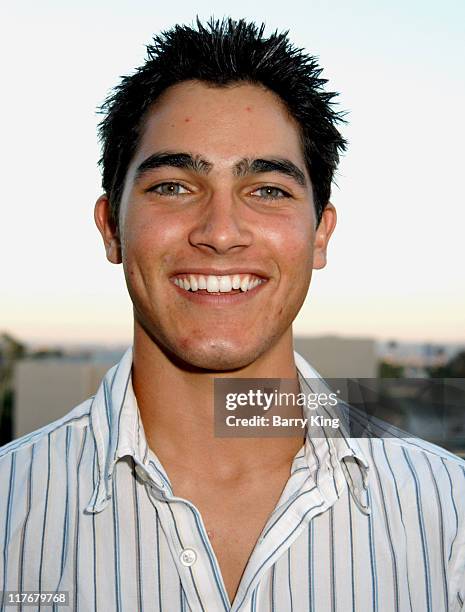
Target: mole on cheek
{"type": "Point", "coordinates": [187, 119]}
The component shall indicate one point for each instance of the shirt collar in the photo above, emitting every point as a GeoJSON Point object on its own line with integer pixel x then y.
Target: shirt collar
{"type": "Point", "coordinates": [116, 427]}
{"type": "Point", "coordinates": [118, 431]}
{"type": "Point", "coordinates": [346, 455]}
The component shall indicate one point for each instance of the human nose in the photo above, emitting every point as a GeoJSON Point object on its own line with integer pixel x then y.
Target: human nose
{"type": "Point", "coordinates": [221, 228]}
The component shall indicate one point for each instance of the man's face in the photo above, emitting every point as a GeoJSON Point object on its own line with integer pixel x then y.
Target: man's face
{"type": "Point", "coordinates": [218, 195]}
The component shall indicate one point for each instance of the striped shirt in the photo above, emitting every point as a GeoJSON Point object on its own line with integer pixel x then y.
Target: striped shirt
{"type": "Point", "coordinates": [366, 524]}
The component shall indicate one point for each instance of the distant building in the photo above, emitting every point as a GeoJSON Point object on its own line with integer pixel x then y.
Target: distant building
{"type": "Point", "coordinates": [47, 389]}
{"type": "Point", "coordinates": [418, 358]}
{"type": "Point", "coordinates": [338, 356]}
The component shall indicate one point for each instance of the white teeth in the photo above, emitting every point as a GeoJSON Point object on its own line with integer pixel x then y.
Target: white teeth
{"type": "Point", "coordinates": [245, 283]}
{"type": "Point", "coordinates": [225, 284]}
{"type": "Point", "coordinates": [213, 286]}
{"type": "Point", "coordinates": [193, 282]}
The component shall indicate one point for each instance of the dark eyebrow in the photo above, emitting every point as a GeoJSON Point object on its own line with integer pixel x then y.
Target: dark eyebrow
{"type": "Point", "coordinates": [283, 166]}
{"type": "Point", "coordinates": [244, 167]}
{"type": "Point", "coordinates": [174, 160]}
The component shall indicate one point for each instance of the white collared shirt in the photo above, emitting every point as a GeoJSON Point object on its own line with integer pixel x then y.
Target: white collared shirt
{"type": "Point", "coordinates": [370, 524]}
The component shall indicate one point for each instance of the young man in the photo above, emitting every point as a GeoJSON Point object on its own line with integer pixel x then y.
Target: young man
{"type": "Point", "coordinates": [218, 156]}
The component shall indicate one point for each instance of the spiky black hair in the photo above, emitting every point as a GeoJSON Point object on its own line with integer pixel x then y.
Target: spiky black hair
{"type": "Point", "coordinates": [221, 53]}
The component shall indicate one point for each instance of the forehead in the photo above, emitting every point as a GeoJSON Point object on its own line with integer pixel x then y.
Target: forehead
{"type": "Point", "coordinates": [221, 123]}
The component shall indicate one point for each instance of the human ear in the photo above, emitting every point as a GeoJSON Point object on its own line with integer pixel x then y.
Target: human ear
{"type": "Point", "coordinates": [322, 235]}
{"type": "Point", "coordinates": [108, 229]}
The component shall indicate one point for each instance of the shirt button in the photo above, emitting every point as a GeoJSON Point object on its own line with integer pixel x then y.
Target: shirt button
{"type": "Point", "coordinates": [188, 557]}
{"type": "Point", "coordinates": [142, 473]}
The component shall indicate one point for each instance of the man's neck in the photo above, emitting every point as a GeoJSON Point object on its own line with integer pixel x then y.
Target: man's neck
{"type": "Point", "coordinates": [176, 407]}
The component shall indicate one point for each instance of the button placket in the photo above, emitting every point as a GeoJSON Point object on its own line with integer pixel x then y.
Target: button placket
{"type": "Point", "coordinates": [199, 573]}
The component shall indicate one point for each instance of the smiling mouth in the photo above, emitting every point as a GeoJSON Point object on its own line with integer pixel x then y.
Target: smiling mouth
{"type": "Point", "coordinates": [217, 285]}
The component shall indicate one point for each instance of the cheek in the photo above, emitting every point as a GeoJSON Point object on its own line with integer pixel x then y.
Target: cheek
{"type": "Point", "coordinates": [150, 241]}
{"type": "Point", "coordinates": [291, 240]}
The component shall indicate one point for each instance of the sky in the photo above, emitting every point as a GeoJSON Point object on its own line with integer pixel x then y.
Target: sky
{"type": "Point", "coordinates": [396, 261]}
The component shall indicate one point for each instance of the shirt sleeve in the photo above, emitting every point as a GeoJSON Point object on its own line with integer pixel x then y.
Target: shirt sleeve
{"type": "Point", "coordinates": [457, 560]}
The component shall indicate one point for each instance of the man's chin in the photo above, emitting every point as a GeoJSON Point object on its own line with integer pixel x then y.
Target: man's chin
{"type": "Point", "coordinates": [215, 356]}
{"type": "Point", "coordinates": [219, 359]}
